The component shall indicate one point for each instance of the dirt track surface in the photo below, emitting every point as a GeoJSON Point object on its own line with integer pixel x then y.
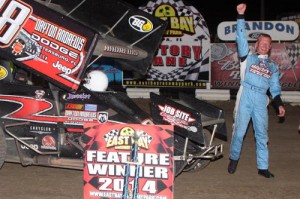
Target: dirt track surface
{"type": "Point", "coordinates": [214, 182]}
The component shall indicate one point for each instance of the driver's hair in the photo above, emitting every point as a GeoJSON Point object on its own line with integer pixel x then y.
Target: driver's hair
{"type": "Point", "coordinates": [264, 35]}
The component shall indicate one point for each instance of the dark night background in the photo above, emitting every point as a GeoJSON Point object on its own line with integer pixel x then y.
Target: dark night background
{"type": "Point", "coordinates": [217, 11]}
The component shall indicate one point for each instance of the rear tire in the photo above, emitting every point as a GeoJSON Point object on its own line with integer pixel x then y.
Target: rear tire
{"type": "Point", "coordinates": [2, 148]}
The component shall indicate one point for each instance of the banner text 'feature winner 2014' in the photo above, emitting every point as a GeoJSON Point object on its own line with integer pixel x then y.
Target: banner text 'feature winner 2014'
{"type": "Point", "coordinates": [110, 171]}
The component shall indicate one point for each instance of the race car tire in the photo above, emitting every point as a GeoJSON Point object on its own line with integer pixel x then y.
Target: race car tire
{"type": "Point", "coordinates": [2, 147]}
{"type": "Point", "coordinates": [199, 164]}
{"type": "Point", "coordinates": [179, 165]}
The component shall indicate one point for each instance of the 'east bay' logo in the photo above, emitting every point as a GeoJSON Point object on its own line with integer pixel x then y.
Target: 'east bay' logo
{"type": "Point", "coordinates": [178, 25]}
{"type": "Point", "coordinates": [124, 138]}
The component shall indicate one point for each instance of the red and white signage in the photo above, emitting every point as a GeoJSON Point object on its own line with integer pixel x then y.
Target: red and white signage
{"type": "Point", "coordinates": [226, 72]}
{"type": "Point", "coordinates": [45, 42]}
{"type": "Point", "coordinates": [108, 151]}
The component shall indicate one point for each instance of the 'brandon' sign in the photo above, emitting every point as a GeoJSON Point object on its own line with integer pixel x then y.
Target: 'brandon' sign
{"type": "Point", "coordinates": [279, 30]}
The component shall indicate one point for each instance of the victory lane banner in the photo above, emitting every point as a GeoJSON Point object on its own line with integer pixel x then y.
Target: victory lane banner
{"type": "Point", "coordinates": [45, 42]}
{"type": "Point", "coordinates": [128, 161]}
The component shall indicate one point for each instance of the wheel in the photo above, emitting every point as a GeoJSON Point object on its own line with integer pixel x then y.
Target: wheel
{"type": "Point", "coordinates": [196, 165]}
{"type": "Point", "coordinates": [199, 164]}
{"type": "Point", "coordinates": [179, 166]}
{"type": "Point", "coordinates": [2, 147]}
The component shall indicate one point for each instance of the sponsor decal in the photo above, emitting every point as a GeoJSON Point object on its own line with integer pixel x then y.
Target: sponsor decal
{"type": "Point", "coordinates": [55, 49]}
{"type": "Point", "coordinates": [124, 138]}
{"type": "Point", "coordinates": [140, 23]}
{"type": "Point", "coordinates": [33, 146]}
{"type": "Point", "coordinates": [18, 47]}
{"type": "Point", "coordinates": [255, 35]}
{"type": "Point", "coordinates": [79, 114]}
{"type": "Point", "coordinates": [75, 106]}
{"type": "Point", "coordinates": [84, 114]}
{"type": "Point", "coordinates": [82, 96]}
{"type": "Point", "coordinates": [261, 69]}
{"type": "Point", "coordinates": [39, 94]}
{"type": "Point", "coordinates": [62, 68]}
{"type": "Point", "coordinates": [120, 50]}
{"type": "Point", "coordinates": [3, 72]}
{"type": "Point", "coordinates": [60, 34]}
{"type": "Point", "coordinates": [102, 117]}
{"type": "Point", "coordinates": [48, 142]}
{"type": "Point", "coordinates": [40, 129]}
{"type": "Point", "coordinates": [175, 116]}
{"type": "Point", "coordinates": [57, 39]}
{"type": "Point", "coordinates": [90, 107]}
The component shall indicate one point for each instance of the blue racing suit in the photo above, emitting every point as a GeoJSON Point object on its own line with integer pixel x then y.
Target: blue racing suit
{"type": "Point", "coordinates": [258, 74]}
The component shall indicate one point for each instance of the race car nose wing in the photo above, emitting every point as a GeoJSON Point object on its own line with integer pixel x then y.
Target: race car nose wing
{"type": "Point", "coordinates": [210, 114]}
{"type": "Point", "coordinates": [189, 116]}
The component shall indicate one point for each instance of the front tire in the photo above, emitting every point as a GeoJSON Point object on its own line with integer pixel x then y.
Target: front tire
{"type": "Point", "coordinates": [199, 164]}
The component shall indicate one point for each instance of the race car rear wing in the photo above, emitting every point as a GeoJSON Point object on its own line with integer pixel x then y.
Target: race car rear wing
{"type": "Point", "coordinates": [186, 121]}
{"type": "Point", "coordinates": [127, 34]}
{"type": "Point", "coordinates": [46, 42]}
{"type": "Point", "coordinates": [210, 114]}
{"type": "Point", "coordinates": [58, 44]}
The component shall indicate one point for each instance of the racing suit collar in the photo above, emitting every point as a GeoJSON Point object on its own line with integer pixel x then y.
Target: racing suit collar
{"type": "Point", "coordinates": [262, 56]}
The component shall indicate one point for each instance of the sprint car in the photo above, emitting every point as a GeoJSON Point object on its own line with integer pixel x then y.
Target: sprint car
{"type": "Point", "coordinates": [47, 91]}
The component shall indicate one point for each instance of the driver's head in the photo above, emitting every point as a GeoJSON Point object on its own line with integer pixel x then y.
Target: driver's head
{"type": "Point", "coordinates": [263, 44]}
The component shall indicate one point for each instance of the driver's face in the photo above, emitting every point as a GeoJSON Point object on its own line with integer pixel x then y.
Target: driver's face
{"type": "Point", "coordinates": [263, 45]}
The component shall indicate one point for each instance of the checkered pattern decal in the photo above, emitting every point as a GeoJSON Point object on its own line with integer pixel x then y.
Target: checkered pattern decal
{"type": "Point", "coordinates": [189, 73]}
{"type": "Point", "coordinates": [193, 70]}
{"type": "Point", "coordinates": [293, 52]}
{"type": "Point", "coordinates": [182, 10]}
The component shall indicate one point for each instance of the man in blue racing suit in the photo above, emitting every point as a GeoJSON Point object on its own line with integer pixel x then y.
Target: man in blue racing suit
{"type": "Point", "coordinates": [258, 75]}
